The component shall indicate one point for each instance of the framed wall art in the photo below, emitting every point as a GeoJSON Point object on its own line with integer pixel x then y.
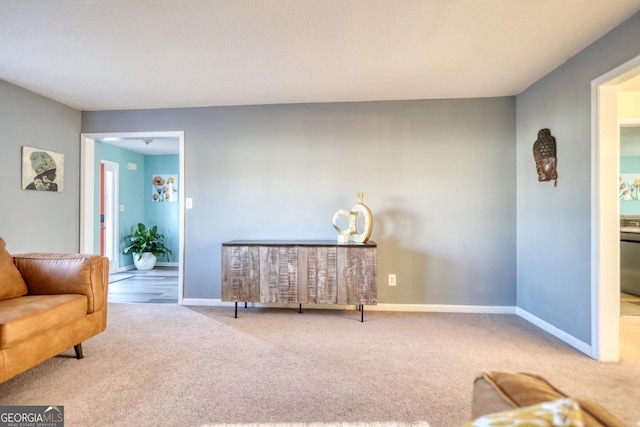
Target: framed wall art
{"type": "Point", "coordinates": [165, 188]}
{"type": "Point", "coordinates": [42, 170]}
{"type": "Point", "coordinates": [629, 186]}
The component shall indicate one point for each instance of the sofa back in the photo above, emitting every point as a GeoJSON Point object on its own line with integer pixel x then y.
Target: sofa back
{"type": "Point", "coordinates": [48, 274]}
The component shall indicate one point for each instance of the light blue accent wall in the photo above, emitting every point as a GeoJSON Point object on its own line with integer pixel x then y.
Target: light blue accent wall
{"type": "Point", "coordinates": [38, 221]}
{"type": "Point", "coordinates": [132, 193]}
{"type": "Point", "coordinates": [630, 164]}
{"type": "Point", "coordinates": [554, 223]}
{"type": "Point", "coordinates": [438, 175]}
{"type": "Point", "coordinates": [164, 214]}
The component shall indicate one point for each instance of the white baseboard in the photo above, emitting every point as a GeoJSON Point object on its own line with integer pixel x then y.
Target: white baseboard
{"type": "Point", "coordinates": [558, 333]}
{"type": "Point", "coordinates": [167, 264]}
{"type": "Point", "coordinates": [158, 264]}
{"type": "Point", "coordinates": [210, 302]}
{"type": "Point", "coordinates": [444, 308]}
{"type": "Point", "coordinates": [204, 302]}
{"type": "Point", "coordinates": [426, 308]}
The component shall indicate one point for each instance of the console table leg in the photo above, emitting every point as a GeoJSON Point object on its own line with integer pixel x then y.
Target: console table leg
{"type": "Point", "coordinates": [300, 308]}
{"type": "Point", "coordinates": [245, 304]}
{"type": "Point", "coordinates": [236, 314]}
{"type": "Point", "coordinates": [361, 312]}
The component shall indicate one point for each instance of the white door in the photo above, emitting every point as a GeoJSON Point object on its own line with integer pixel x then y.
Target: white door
{"type": "Point", "coordinates": [109, 204]}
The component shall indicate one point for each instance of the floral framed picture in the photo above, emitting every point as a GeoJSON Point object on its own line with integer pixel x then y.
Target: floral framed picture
{"type": "Point", "coordinates": [629, 186]}
{"type": "Point", "coordinates": [164, 188]}
{"type": "Point", "coordinates": [42, 170]}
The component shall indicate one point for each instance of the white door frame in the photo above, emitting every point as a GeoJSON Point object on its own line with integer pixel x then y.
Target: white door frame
{"type": "Point", "coordinates": [114, 263]}
{"type": "Point", "coordinates": [605, 211]}
{"type": "Point", "coordinates": [87, 182]}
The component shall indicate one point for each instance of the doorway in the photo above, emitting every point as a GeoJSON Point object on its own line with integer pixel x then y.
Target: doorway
{"type": "Point", "coordinates": [89, 206]}
{"type": "Point", "coordinates": [605, 210]}
{"type": "Point", "coordinates": [109, 202]}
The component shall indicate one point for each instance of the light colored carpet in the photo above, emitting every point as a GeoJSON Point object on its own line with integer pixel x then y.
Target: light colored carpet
{"type": "Point", "coordinates": [177, 366]}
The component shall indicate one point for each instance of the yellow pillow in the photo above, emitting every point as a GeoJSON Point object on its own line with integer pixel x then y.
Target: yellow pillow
{"type": "Point", "coordinates": [557, 413]}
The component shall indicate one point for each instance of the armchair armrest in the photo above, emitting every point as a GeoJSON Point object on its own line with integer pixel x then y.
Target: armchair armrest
{"type": "Point", "coordinates": [48, 274]}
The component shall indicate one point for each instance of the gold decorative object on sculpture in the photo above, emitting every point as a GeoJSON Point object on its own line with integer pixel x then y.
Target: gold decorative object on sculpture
{"type": "Point", "coordinates": [352, 220]}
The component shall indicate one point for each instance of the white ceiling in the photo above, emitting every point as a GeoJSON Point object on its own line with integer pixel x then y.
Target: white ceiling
{"type": "Point", "coordinates": [126, 54]}
{"type": "Point", "coordinates": [148, 146]}
{"type": "Point", "coordinates": [631, 85]}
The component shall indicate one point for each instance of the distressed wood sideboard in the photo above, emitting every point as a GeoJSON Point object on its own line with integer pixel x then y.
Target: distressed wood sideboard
{"type": "Point", "coordinates": [300, 272]}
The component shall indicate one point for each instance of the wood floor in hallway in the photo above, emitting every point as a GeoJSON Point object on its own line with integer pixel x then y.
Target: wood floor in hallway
{"type": "Point", "coordinates": [159, 285]}
{"type": "Point", "coordinates": [629, 304]}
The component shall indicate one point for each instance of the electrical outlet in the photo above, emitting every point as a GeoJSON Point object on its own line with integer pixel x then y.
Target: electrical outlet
{"type": "Point", "coordinates": [392, 280]}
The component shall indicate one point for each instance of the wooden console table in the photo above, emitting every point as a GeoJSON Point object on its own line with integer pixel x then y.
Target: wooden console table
{"type": "Point", "coordinates": [300, 272]}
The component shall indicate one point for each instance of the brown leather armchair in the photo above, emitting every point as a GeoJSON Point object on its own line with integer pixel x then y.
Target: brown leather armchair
{"type": "Point", "coordinates": [48, 304]}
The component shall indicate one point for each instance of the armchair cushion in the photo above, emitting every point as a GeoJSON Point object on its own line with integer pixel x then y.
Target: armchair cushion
{"type": "Point", "coordinates": [26, 317]}
{"type": "Point", "coordinates": [11, 283]}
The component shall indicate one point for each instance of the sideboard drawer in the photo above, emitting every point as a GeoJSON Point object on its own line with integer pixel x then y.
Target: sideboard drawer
{"type": "Point", "coordinates": [357, 276]}
{"type": "Point", "coordinates": [279, 274]}
{"type": "Point", "coordinates": [241, 273]}
{"type": "Point", "coordinates": [317, 275]}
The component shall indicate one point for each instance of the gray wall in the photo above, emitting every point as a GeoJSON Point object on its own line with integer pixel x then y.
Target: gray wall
{"type": "Point", "coordinates": [554, 224]}
{"type": "Point", "coordinates": [438, 175]}
{"type": "Point", "coordinates": [35, 220]}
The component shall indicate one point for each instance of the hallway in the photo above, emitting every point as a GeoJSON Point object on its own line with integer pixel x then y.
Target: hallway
{"type": "Point", "coordinates": [629, 304]}
{"type": "Point", "coordinates": [159, 286]}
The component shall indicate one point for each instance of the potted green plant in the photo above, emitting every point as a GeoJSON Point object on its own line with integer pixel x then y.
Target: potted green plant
{"type": "Point", "coordinates": [146, 245]}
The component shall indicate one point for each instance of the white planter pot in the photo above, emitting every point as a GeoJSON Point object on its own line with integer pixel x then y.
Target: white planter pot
{"type": "Point", "coordinates": [146, 262]}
